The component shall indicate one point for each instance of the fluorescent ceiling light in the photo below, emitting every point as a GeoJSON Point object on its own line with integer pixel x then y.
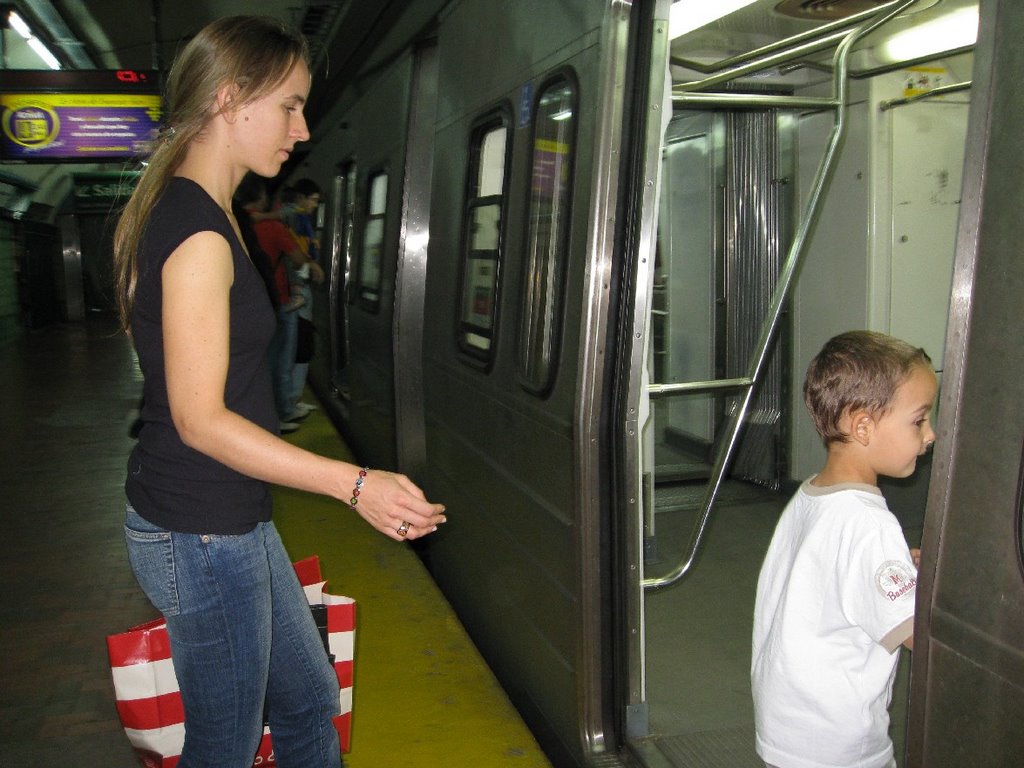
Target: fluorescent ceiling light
{"type": "Point", "coordinates": [44, 53]}
{"type": "Point", "coordinates": [958, 29]}
{"type": "Point", "coordinates": [688, 15]}
{"type": "Point", "coordinates": [18, 24]}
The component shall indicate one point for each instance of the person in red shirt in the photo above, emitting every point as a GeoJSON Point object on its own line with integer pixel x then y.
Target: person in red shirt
{"type": "Point", "coordinates": [278, 244]}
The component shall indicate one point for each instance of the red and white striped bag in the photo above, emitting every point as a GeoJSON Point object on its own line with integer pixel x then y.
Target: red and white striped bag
{"type": "Point", "coordinates": [148, 701]}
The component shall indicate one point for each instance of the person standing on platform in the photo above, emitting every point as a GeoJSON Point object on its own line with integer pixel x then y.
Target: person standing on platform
{"type": "Point", "coordinates": [299, 216]}
{"type": "Point", "coordinates": [198, 521]}
{"type": "Point", "coordinates": [284, 256]}
{"type": "Point", "coordinates": [835, 597]}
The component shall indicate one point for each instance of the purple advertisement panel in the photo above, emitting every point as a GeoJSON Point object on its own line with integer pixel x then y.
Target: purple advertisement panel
{"type": "Point", "coordinates": [47, 127]}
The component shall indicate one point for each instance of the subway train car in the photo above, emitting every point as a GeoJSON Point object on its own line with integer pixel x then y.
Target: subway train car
{"type": "Point", "coordinates": [580, 254]}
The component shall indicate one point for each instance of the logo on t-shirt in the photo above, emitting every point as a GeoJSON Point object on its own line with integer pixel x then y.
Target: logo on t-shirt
{"type": "Point", "coordinates": [895, 580]}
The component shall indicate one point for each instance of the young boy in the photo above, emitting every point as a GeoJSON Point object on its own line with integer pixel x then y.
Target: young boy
{"type": "Point", "coordinates": [835, 598]}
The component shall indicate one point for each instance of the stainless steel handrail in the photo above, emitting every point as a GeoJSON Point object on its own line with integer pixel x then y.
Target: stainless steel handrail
{"type": "Point", "coordinates": [764, 62]}
{"type": "Point", "coordinates": [815, 34]}
{"type": "Point", "coordinates": [752, 100]}
{"type": "Point", "coordinates": [937, 91]}
{"type": "Point", "coordinates": [759, 359]}
{"type": "Point", "coordinates": [882, 69]}
{"type": "Point", "coordinates": [697, 387]}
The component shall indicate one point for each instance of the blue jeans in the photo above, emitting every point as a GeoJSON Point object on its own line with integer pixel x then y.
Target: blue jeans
{"type": "Point", "coordinates": [282, 361]}
{"type": "Point", "coordinates": [242, 637]}
{"type": "Point", "coordinates": [297, 381]}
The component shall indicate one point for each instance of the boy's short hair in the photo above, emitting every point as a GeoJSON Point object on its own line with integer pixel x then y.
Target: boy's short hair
{"type": "Point", "coordinates": [856, 370]}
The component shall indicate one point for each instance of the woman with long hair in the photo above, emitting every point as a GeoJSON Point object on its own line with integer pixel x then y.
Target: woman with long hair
{"type": "Point", "coordinates": [198, 523]}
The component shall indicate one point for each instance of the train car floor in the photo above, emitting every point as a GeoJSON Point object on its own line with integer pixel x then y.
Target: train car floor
{"type": "Point", "coordinates": [423, 696]}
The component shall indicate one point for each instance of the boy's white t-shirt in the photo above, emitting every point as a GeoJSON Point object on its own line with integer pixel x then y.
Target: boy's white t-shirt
{"type": "Point", "coordinates": [835, 600]}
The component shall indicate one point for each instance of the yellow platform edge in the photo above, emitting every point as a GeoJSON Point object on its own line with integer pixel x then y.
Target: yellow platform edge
{"type": "Point", "coordinates": [423, 695]}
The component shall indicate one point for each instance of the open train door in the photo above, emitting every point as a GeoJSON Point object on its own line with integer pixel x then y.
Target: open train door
{"type": "Point", "coordinates": [967, 689]}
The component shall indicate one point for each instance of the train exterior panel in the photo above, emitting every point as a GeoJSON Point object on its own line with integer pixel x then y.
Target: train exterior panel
{"type": "Point", "coordinates": [490, 433]}
{"type": "Point", "coordinates": [366, 152]}
{"type": "Point", "coordinates": [493, 427]}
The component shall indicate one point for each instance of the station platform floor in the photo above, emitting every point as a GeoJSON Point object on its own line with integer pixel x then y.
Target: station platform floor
{"type": "Point", "coordinates": [422, 694]}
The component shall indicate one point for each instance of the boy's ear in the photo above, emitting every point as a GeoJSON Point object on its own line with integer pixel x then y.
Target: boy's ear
{"type": "Point", "coordinates": [858, 425]}
{"type": "Point", "coordinates": [861, 426]}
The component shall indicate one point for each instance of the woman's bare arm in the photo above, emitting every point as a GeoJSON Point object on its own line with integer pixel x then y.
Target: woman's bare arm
{"type": "Point", "coordinates": [197, 280]}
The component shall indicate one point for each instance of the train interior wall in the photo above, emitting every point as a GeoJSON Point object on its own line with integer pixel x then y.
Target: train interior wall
{"type": "Point", "coordinates": [886, 237]}
{"type": "Point", "coordinates": [880, 256]}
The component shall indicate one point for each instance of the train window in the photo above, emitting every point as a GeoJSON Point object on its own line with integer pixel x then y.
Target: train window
{"type": "Point", "coordinates": [482, 238]}
{"type": "Point", "coordinates": [369, 278]}
{"type": "Point", "coordinates": [342, 248]}
{"type": "Point", "coordinates": [339, 253]}
{"type": "Point", "coordinates": [546, 244]}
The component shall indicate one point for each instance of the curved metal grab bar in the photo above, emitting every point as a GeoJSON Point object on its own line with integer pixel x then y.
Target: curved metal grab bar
{"type": "Point", "coordinates": [696, 387]}
{"type": "Point", "coordinates": [938, 91]}
{"type": "Point", "coordinates": [779, 297]}
{"type": "Point", "coordinates": [788, 43]}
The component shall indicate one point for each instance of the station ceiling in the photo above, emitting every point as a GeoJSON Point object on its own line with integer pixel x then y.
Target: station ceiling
{"type": "Point", "coordinates": [346, 35]}
{"type": "Point", "coordinates": [146, 35]}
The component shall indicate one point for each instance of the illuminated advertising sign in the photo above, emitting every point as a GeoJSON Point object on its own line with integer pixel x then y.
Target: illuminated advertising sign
{"type": "Point", "coordinates": [44, 125]}
{"type": "Point", "coordinates": [60, 127]}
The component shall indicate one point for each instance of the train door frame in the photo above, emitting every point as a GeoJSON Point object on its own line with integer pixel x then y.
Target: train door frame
{"type": "Point", "coordinates": [410, 277]}
{"type": "Point", "coordinates": [637, 388]}
{"type": "Point", "coordinates": [967, 677]}
{"type": "Point", "coordinates": [637, 505]}
{"type": "Point", "coordinates": [595, 387]}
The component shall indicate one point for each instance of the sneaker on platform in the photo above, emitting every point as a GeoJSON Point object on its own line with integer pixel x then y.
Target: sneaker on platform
{"type": "Point", "coordinates": [296, 415]}
{"type": "Point", "coordinates": [304, 409]}
{"type": "Point", "coordinates": [287, 426]}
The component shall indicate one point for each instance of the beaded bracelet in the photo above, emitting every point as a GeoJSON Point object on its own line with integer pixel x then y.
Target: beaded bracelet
{"type": "Point", "coordinates": [359, 486]}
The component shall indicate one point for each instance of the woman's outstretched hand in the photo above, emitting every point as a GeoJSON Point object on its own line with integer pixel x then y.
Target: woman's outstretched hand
{"type": "Point", "coordinates": [396, 507]}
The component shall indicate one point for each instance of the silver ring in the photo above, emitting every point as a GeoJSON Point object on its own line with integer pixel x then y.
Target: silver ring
{"type": "Point", "coordinates": [403, 529]}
